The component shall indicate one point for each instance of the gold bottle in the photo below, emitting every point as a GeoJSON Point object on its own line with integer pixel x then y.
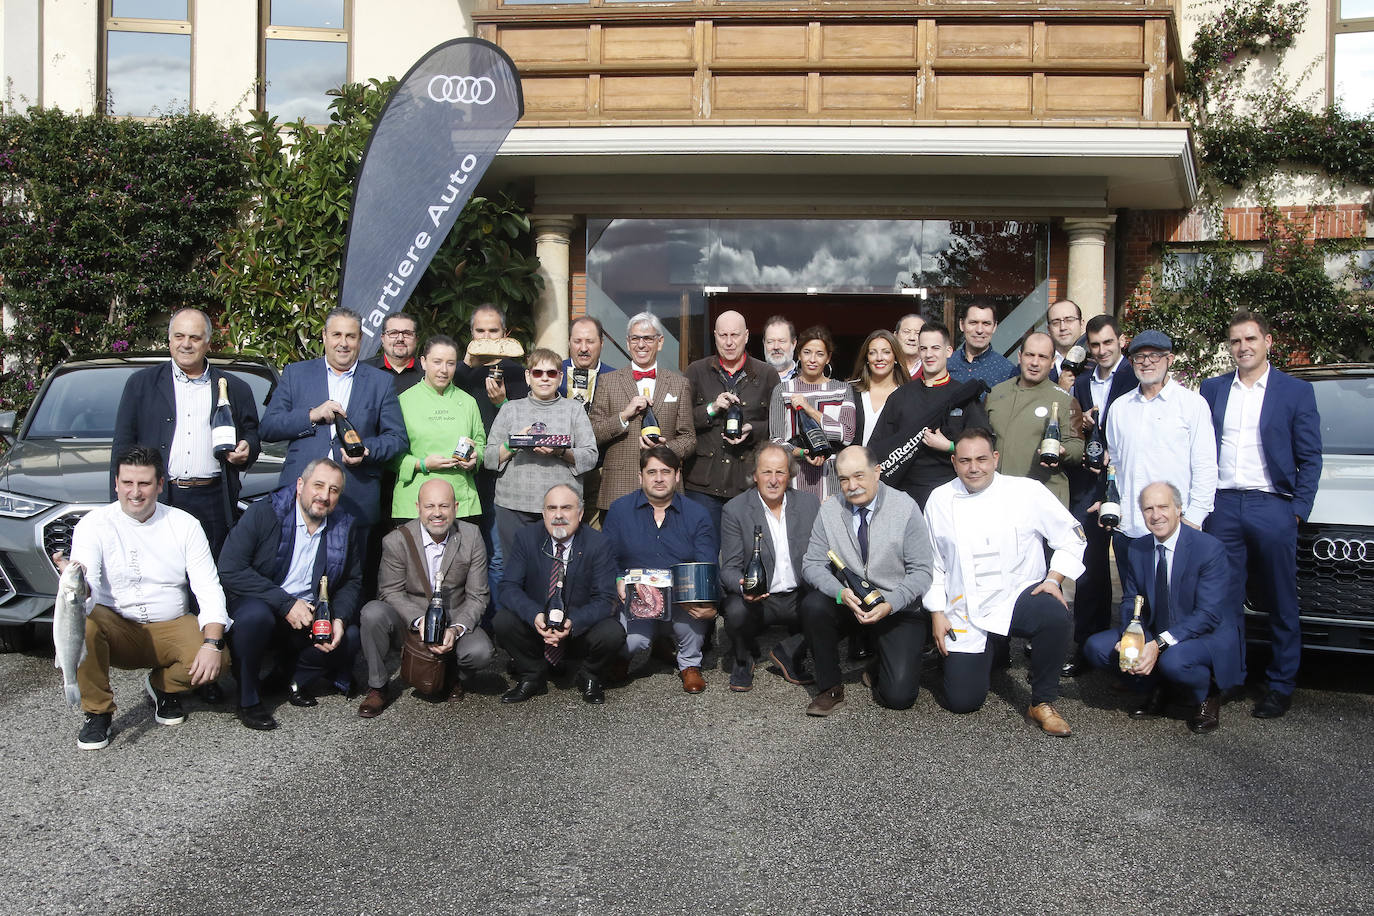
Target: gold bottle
{"type": "Point", "coordinates": [1133, 640]}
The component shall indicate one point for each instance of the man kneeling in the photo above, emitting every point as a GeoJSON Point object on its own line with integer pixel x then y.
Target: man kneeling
{"type": "Point", "coordinates": [559, 564]}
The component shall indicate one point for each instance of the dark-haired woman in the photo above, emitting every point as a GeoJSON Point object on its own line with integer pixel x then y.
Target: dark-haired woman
{"type": "Point", "coordinates": [827, 401]}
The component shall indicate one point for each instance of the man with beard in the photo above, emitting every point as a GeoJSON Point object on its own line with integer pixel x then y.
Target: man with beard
{"type": "Point", "coordinates": [780, 346]}
{"type": "Point", "coordinates": [397, 359]}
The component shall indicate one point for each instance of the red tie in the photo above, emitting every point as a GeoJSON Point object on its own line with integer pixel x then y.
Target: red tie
{"type": "Point", "coordinates": [640, 376]}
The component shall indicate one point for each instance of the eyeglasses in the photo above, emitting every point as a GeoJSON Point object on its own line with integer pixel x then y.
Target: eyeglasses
{"type": "Point", "coordinates": [544, 373]}
{"type": "Point", "coordinates": [643, 338]}
{"type": "Point", "coordinates": [1063, 322]}
{"type": "Point", "coordinates": [399, 335]}
{"type": "Point", "coordinates": [1148, 359]}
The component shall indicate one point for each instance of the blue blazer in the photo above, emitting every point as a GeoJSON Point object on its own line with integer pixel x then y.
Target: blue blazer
{"type": "Point", "coordinates": [1201, 598]}
{"type": "Point", "coordinates": [1290, 433]}
{"type": "Point", "coordinates": [374, 410]}
{"type": "Point", "coordinates": [1084, 485]}
{"type": "Point", "coordinates": [148, 416]}
{"type": "Point", "coordinates": [1123, 381]}
{"type": "Point", "coordinates": [588, 586]}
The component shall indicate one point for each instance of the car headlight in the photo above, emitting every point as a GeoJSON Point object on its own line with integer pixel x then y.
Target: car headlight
{"type": "Point", "coordinates": [12, 505]}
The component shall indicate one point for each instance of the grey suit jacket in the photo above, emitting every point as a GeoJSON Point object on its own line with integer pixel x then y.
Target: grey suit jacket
{"type": "Point", "coordinates": [737, 520]}
{"type": "Point", "coordinates": [463, 573]}
{"type": "Point", "coordinates": [900, 557]}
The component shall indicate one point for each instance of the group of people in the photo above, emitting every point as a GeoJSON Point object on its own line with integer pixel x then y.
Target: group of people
{"type": "Point", "coordinates": [940, 498]}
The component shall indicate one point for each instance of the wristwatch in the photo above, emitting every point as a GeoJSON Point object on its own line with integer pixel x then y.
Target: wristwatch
{"type": "Point", "coordinates": [214, 643]}
{"type": "Point", "coordinates": [1162, 643]}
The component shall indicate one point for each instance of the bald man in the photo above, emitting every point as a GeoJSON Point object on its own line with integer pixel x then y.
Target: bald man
{"type": "Point", "coordinates": [432, 545]}
{"type": "Point", "coordinates": [722, 464]}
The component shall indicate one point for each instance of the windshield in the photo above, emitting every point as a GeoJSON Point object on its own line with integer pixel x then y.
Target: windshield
{"type": "Point", "coordinates": [81, 402]}
{"type": "Point", "coordinates": [1345, 405]}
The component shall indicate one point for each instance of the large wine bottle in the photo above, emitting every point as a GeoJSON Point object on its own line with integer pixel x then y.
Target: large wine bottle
{"type": "Point", "coordinates": [755, 576]}
{"type": "Point", "coordinates": [349, 439]}
{"type": "Point", "coordinates": [223, 436]}
{"type": "Point", "coordinates": [1095, 451]}
{"type": "Point", "coordinates": [322, 628]}
{"type": "Point", "coordinates": [1133, 640]}
{"type": "Point", "coordinates": [817, 442]}
{"type": "Point", "coordinates": [1109, 513]}
{"type": "Point", "coordinates": [1052, 446]}
{"type": "Point", "coordinates": [1074, 360]}
{"type": "Point", "coordinates": [648, 424]}
{"type": "Point", "coordinates": [868, 596]}
{"type": "Point", "coordinates": [436, 618]}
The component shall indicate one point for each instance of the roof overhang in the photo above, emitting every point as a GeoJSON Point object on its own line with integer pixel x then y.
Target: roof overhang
{"type": "Point", "coordinates": [980, 168]}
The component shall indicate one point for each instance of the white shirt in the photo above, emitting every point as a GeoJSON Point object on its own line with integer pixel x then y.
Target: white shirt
{"type": "Point", "coordinates": [784, 578]}
{"type": "Point", "coordinates": [1099, 388]}
{"type": "Point", "coordinates": [870, 417]}
{"type": "Point", "coordinates": [1168, 437]}
{"type": "Point", "coordinates": [141, 569]}
{"type": "Point", "coordinates": [300, 575]}
{"type": "Point", "coordinates": [989, 547]}
{"type": "Point", "coordinates": [1242, 465]}
{"type": "Point", "coordinates": [191, 454]}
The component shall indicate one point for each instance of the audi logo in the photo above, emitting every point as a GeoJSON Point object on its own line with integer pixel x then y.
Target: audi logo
{"type": "Point", "coordinates": [470, 90]}
{"type": "Point", "coordinates": [1343, 549]}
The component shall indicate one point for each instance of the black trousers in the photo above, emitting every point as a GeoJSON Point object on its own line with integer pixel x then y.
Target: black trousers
{"type": "Point", "coordinates": [745, 620]}
{"type": "Point", "coordinates": [1039, 618]}
{"type": "Point", "coordinates": [899, 638]}
{"type": "Point", "coordinates": [596, 646]}
{"type": "Point", "coordinates": [1092, 597]}
{"type": "Point", "coordinates": [207, 505]}
{"type": "Point", "coordinates": [258, 632]}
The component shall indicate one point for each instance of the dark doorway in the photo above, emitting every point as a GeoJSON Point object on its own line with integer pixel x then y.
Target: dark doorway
{"type": "Point", "coordinates": [850, 317]}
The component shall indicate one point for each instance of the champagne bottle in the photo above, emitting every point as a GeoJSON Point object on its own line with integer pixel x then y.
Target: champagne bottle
{"type": "Point", "coordinates": [582, 385]}
{"type": "Point", "coordinates": [755, 576]}
{"type": "Point", "coordinates": [223, 435]}
{"type": "Point", "coordinates": [555, 615]}
{"type": "Point", "coordinates": [868, 596]}
{"type": "Point", "coordinates": [1095, 451]}
{"type": "Point", "coordinates": [817, 442]}
{"type": "Point", "coordinates": [648, 425]}
{"type": "Point", "coordinates": [1133, 640]}
{"type": "Point", "coordinates": [1109, 514]}
{"type": "Point", "coordinates": [436, 618]}
{"type": "Point", "coordinates": [347, 434]}
{"type": "Point", "coordinates": [1074, 360]}
{"type": "Point", "coordinates": [322, 628]}
{"type": "Point", "coordinates": [734, 420]}
{"type": "Point", "coordinates": [1052, 446]}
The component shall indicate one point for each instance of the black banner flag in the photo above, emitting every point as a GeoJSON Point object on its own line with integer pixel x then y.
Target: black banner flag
{"type": "Point", "coordinates": [434, 140]}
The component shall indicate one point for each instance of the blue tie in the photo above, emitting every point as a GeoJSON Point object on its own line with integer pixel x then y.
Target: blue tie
{"type": "Point", "coordinates": [863, 533]}
{"type": "Point", "coordinates": [1161, 609]}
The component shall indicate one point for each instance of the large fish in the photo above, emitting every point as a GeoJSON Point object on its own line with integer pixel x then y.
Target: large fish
{"type": "Point", "coordinates": [69, 627]}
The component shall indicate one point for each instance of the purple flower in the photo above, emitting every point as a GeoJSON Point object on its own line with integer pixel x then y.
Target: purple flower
{"type": "Point", "coordinates": [119, 346]}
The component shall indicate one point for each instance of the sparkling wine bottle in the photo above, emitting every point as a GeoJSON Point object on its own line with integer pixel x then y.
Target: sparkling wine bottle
{"type": "Point", "coordinates": [814, 437]}
{"type": "Point", "coordinates": [436, 618]}
{"type": "Point", "coordinates": [648, 425]}
{"type": "Point", "coordinates": [868, 596]}
{"type": "Point", "coordinates": [1052, 446]}
{"type": "Point", "coordinates": [1133, 640]}
{"type": "Point", "coordinates": [1109, 514]}
{"type": "Point", "coordinates": [1095, 451]}
{"type": "Point", "coordinates": [223, 435]}
{"type": "Point", "coordinates": [322, 628]}
{"type": "Point", "coordinates": [1074, 360]}
{"type": "Point", "coordinates": [348, 436]}
{"type": "Point", "coordinates": [755, 576]}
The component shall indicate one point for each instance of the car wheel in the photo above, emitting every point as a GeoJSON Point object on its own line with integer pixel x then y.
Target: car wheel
{"type": "Point", "coordinates": [16, 637]}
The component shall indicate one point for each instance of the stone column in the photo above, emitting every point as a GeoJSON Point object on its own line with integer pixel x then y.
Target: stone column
{"type": "Point", "coordinates": [551, 238]}
{"type": "Point", "coordinates": [1087, 261]}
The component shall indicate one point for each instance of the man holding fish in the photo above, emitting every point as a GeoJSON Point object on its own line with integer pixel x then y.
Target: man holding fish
{"type": "Point", "coordinates": [135, 559]}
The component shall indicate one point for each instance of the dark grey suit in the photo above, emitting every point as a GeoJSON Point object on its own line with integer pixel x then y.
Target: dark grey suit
{"type": "Point", "coordinates": [744, 620]}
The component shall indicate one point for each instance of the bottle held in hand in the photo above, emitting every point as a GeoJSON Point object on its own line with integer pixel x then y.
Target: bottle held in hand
{"type": "Point", "coordinates": [755, 576]}
{"type": "Point", "coordinates": [814, 439]}
{"type": "Point", "coordinates": [347, 433]}
{"type": "Point", "coordinates": [322, 627]}
{"type": "Point", "coordinates": [1133, 640]}
{"type": "Point", "coordinates": [1109, 514]}
{"type": "Point", "coordinates": [223, 436]}
{"type": "Point", "coordinates": [465, 448]}
{"type": "Point", "coordinates": [734, 421]}
{"type": "Point", "coordinates": [1052, 446]}
{"type": "Point", "coordinates": [1075, 360]}
{"type": "Point", "coordinates": [648, 424]}
{"type": "Point", "coordinates": [555, 615]}
{"type": "Point", "coordinates": [868, 596]}
{"type": "Point", "coordinates": [436, 618]}
{"type": "Point", "coordinates": [1095, 451]}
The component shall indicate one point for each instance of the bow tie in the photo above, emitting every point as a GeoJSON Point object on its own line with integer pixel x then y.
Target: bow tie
{"type": "Point", "coordinates": [640, 376]}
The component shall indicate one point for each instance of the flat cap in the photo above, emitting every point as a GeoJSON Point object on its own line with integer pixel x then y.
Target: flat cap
{"type": "Point", "coordinates": [1155, 339]}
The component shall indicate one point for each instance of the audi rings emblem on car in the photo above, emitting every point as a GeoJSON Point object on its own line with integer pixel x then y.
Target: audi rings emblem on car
{"type": "Point", "coordinates": [471, 90]}
{"type": "Point", "coordinates": [1343, 549]}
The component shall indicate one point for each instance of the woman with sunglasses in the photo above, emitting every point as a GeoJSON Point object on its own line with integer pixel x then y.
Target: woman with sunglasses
{"type": "Point", "coordinates": [827, 401]}
{"type": "Point", "coordinates": [875, 379]}
{"type": "Point", "coordinates": [525, 474]}
{"type": "Point", "coordinates": [437, 415]}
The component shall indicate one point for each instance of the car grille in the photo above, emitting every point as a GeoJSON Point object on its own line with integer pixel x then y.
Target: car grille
{"type": "Point", "coordinates": [57, 534]}
{"type": "Point", "coordinates": [1336, 570]}
{"type": "Point", "coordinates": [7, 589]}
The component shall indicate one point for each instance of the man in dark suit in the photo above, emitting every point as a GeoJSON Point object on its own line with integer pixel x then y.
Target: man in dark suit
{"type": "Point", "coordinates": [1269, 458]}
{"type": "Point", "coordinates": [1095, 389]}
{"type": "Point", "coordinates": [169, 407]}
{"type": "Point", "coordinates": [302, 411]}
{"type": "Point", "coordinates": [1192, 631]}
{"type": "Point", "coordinates": [560, 557]}
{"type": "Point", "coordinates": [271, 569]}
{"type": "Point", "coordinates": [784, 518]}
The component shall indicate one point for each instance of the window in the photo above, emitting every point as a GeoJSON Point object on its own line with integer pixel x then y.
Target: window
{"type": "Point", "coordinates": [1180, 267]}
{"type": "Point", "coordinates": [304, 54]}
{"type": "Point", "coordinates": [1352, 55]}
{"type": "Point", "coordinates": [147, 57]}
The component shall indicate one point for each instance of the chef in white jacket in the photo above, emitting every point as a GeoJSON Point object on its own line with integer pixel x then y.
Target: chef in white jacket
{"type": "Point", "coordinates": [989, 533]}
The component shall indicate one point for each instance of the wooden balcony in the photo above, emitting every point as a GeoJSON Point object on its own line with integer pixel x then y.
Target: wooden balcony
{"type": "Point", "coordinates": [833, 62]}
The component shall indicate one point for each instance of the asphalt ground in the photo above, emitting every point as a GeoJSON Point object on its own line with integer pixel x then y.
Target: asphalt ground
{"type": "Point", "coordinates": [660, 802]}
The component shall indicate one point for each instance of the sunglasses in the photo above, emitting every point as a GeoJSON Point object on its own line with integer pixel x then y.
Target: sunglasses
{"type": "Point", "coordinates": [544, 373]}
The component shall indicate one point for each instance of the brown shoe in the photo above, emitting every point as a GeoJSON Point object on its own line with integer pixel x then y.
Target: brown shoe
{"type": "Point", "coordinates": [1049, 720]}
{"type": "Point", "coordinates": [692, 681]}
{"type": "Point", "coordinates": [827, 701]}
{"type": "Point", "coordinates": [455, 692]}
{"type": "Point", "coordinates": [373, 704]}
